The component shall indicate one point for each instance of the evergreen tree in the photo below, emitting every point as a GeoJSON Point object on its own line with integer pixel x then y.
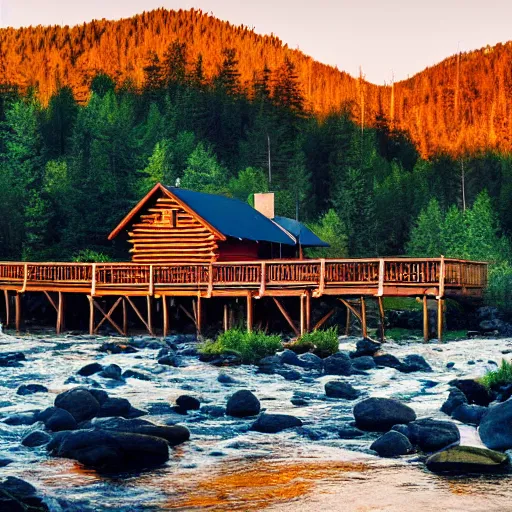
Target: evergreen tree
{"type": "Point", "coordinates": [203, 172]}
{"type": "Point", "coordinates": [330, 229]}
{"type": "Point", "coordinates": [426, 239]}
{"type": "Point", "coordinates": [249, 181]}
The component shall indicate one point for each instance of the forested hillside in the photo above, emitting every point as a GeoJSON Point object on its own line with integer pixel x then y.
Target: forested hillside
{"type": "Point", "coordinates": [458, 106]}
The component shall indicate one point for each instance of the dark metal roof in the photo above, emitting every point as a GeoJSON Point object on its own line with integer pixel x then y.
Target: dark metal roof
{"type": "Point", "coordinates": [233, 217]}
{"type": "Point", "coordinates": [303, 235]}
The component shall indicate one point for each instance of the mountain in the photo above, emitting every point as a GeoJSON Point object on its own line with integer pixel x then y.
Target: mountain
{"type": "Point", "coordinates": [462, 105]}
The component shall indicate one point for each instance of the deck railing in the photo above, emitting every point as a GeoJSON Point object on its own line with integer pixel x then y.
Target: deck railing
{"type": "Point", "coordinates": [311, 274]}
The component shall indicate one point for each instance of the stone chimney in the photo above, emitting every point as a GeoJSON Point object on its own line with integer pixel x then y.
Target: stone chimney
{"type": "Point", "coordinates": [264, 203]}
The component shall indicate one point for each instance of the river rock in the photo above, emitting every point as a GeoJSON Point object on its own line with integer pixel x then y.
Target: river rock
{"type": "Point", "coordinates": [273, 423]}
{"type": "Point", "coordinates": [188, 403]}
{"type": "Point", "coordinates": [289, 357]}
{"type": "Point", "coordinates": [475, 392]}
{"type": "Point", "coordinates": [22, 418]}
{"type": "Point", "coordinates": [30, 389]}
{"type": "Point", "coordinates": [114, 407]}
{"type": "Point", "coordinates": [469, 414]}
{"type": "Point", "coordinates": [112, 371]}
{"type": "Point", "coordinates": [349, 432]}
{"type": "Point", "coordinates": [170, 359]}
{"type": "Point", "coordinates": [338, 364]}
{"type": "Point", "coordinates": [117, 348]}
{"type": "Point", "coordinates": [134, 374]}
{"type": "Point", "coordinates": [79, 402]}
{"type": "Point", "coordinates": [288, 373]}
{"type": "Point", "coordinates": [338, 389]}
{"type": "Point", "coordinates": [214, 411]}
{"type": "Point", "coordinates": [5, 461]}
{"type": "Point", "coordinates": [90, 369]}
{"type": "Point", "coordinates": [113, 451]}
{"type": "Point", "coordinates": [16, 495]}
{"type": "Point", "coordinates": [363, 363]}
{"type": "Point", "coordinates": [224, 378]}
{"type": "Point", "coordinates": [467, 459]}
{"type": "Point", "coordinates": [366, 347]}
{"type": "Point", "coordinates": [455, 398]}
{"type": "Point", "coordinates": [243, 403]}
{"type": "Point", "coordinates": [432, 435]}
{"type": "Point", "coordinates": [173, 434]}
{"type": "Point", "coordinates": [57, 419]}
{"type": "Point", "coordinates": [392, 444]}
{"type": "Point", "coordinates": [414, 363]}
{"type": "Point", "coordinates": [35, 438]}
{"type": "Point", "coordinates": [100, 394]}
{"type": "Point", "coordinates": [226, 358]}
{"type": "Point", "coordinates": [387, 360]}
{"type": "Point", "coordinates": [11, 359]}
{"type": "Point", "coordinates": [311, 361]}
{"type": "Point", "coordinates": [496, 426]}
{"type": "Point", "coordinates": [380, 414]}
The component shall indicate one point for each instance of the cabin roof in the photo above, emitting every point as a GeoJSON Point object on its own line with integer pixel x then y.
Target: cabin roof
{"type": "Point", "coordinates": [232, 217]}
{"type": "Point", "coordinates": [302, 234]}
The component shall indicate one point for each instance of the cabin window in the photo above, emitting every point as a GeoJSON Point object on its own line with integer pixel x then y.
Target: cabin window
{"type": "Point", "coordinates": [174, 218]}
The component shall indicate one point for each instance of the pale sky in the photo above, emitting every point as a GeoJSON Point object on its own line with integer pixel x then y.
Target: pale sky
{"type": "Point", "coordinates": [385, 37]}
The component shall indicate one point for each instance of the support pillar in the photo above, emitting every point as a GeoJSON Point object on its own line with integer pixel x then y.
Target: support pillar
{"type": "Point", "coordinates": [125, 318]}
{"type": "Point", "coordinates": [382, 320]}
{"type": "Point", "coordinates": [7, 308]}
{"type": "Point", "coordinates": [440, 304]}
{"type": "Point", "coordinates": [91, 314]}
{"type": "Point", "coordinates": [18, 312]}
{"type": "Point", "coordinates": [150, 319]}
{"type": "Point", "coordinates": [249, 312]}
{"type": "Point", "coordinates": [165, 315]}
{"type": "Point", "coordinates": [302, 315]}
{"type": "Point", "coordinates": [308, 310]}
{"type": "Point", "coordinates": [60, 314]}
{"type": "Point", "coordinates": [199, 314]}
{"type": "Point", "coordinates": [425, 320]}
{"type": "Point", "coordinates": [226, 318]}
{"type": "Point", "coordinates": [363, 318]}
{"type": "Point", "coordinates": [347, 323]}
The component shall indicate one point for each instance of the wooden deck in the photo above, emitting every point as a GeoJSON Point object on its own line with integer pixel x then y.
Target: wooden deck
{"type": "Point", "coordinates": [345, 279]}
{"type": "Point", "coordinates": [439, 277]}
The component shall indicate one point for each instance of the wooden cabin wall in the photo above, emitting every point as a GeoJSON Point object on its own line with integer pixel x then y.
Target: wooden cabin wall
{"type": "Point", "coordinates": [238, 250]}
{"type": "Point", "coordinates": [156, 240]}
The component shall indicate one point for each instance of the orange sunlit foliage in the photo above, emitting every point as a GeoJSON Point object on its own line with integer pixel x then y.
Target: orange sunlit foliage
{"type": "Point", "coordinates": [459, 105]}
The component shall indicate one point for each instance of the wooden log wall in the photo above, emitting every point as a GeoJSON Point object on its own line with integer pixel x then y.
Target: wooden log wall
{"type": "Point", "coordinates": [166, 233]}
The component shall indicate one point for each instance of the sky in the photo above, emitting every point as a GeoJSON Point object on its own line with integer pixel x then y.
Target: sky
{"type": "Point", "coordinates": [386, 38]}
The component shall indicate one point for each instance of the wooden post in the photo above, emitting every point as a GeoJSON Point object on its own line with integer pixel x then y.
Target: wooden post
{"type": "Point", "coordinates": [425, 320]}
{"type": "Point", "coordinates": [60, 314]}
{"type": "Point", "coordinates": [150, 320]}
{"type": "Point", "coordinates": [91, 314]}
{"type": "Point", "coordinates": [308, 310]}
{"type": "Point", "coordinates": [18, 312]}
{"type": "Point", "coordinates": [440, 303]}
{"type": "Point", "coordinates": [286, 316]}
{"type": "Point", "coordinates": [199, 315]}
{"type": "Point", "coordinates": [249, 312]}
{"type": "Point", "coordinates": [363, 318]}
{"type": "Point", "coordinates": [165, 315]}
{"type": "Point", "coordinates": [7, 308]}
{"type": "Point", "coordinates": [382, 320]}
{"type": "Point", "coordinates": [125, 318]}
{"type": "Point", "coordinates": [302, 315]}
{"type": "Point", "coordinates": [347, 323]}
{"type": "Point", "coordinates": [226, 318]}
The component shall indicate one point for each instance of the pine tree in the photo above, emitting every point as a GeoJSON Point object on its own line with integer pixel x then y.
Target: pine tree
{"type": "Point", "coordinates": [228, 78]}
{"type": "Point", "coordinates": [426, 239]}
{"type": "Point", "coordinates": [330, 229]}
{"type": "Point", "coordinates": [203, 172]}
{"type": "Point", "coordinates": [249, 181]}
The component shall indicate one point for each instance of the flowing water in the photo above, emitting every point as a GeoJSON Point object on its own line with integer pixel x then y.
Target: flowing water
{"type": "Point", "coordinates": [227, 467]}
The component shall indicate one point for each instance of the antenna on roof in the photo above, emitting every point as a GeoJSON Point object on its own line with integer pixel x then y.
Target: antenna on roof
{"type": "Point", "coordinates": [178, 182]}
{"type": "Point", "coordinates": [269, 163]}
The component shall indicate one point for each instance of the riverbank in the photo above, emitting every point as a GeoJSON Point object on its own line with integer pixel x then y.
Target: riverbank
{"type": "Point", "coordinates": [226, 465]}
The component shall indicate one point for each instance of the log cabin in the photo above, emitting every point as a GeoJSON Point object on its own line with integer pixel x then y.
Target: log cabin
{"type": "Point", "coordinates": [175, 225]}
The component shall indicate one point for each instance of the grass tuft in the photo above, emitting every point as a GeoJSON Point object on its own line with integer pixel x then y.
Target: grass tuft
{"type": "Point", "coordinates": [493, 379]}
{"type": "Point", "coordinates": [322, 342]}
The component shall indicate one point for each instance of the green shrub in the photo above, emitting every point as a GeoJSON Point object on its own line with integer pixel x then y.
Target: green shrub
{"type": "Point", "coordinates": [493, 379]}
{"type": "Point", "coordinates": [90, 256]}
{"type": "Point", "coordinates": [251, 346]}
{"type": "Point", "coordinates": [325, 342]}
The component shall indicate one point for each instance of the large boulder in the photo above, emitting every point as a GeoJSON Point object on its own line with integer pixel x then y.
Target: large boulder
{"type": "Point", "coordinates": [469, 414]}
{"type": "Point", "coordinates": [114, 407]}
{"type": "Point", "coordinates": [290, 357]}
{"type": "Point", "coordinates": [432, 435]}
{"type": "Point", "coordinates": [455, 398]}
{"type": "Point", "coordinates": [16, 495]}
{"type": "Point", "coordinates": [363, 363]}
{"type": "Point", "coordinates": [35, 438]}
{"type": "Point", "coordinates": [243, 403]}
{"type": "Point", "coordinates": [496, 426]}
{"type": "Point", "coordinates": [30, 389]}
{"type": "Point", "coordinates": [112, 451]}
{"type": "Point", "coordinates": [380, 414]}
{"type": "Point", "coordinates": [311, 361]}
{"type": "Point", "coordinates": [90, 369]}
{"type": "Point", "coordinates": [366, 347]}
{"type": "Point", "coordinates": [349, 432]}
{"type": "Point", "coordinates": [475, 392]}
{"type": "Point", "coordinates": [273, 423]}
{"type": "Point", "coordinates": [392, 444]}
{"type": "Point", "coordinates": [338, 364]}
{"type": "Point", "coordinates": [21, 418]}
{"type": "Point", "coordinates": [79, 402]}
{"type": "Point", "coordinates": [414, 363]}
{"type": "Point", "coordinates": [188, 403]}
{"type": "Point", "coordinates": [467, 459]}
{"type": "Point", "coordinates": [387, 360]}
{"type": "Point", "coordinates": [338, 389]}
{"type": "Point", "coordinates": [173, 434]}
{"type": "Point", "coordinates": [112, 371]}
{"type": "Point", "coordinates": [57, 419]}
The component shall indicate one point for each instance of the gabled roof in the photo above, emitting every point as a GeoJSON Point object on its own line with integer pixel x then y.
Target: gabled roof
{"type": "Point", "coordinates": [302, 234]}
{"type": "Point", "coordinates": [223, 215]}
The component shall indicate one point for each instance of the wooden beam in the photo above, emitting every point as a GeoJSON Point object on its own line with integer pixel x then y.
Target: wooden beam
{"type": "Point", "coordinates": [425, 320]}
{"type": "Point", "coordinates": [363, 318]}
{"type": "Point", "coordinates": [440, 304]}
{"type": "Point", "coordinates": [324, 319]}
{"type": "Point", "coordinates": [150, 317]}
{"type": "Point", "coordinates": [107, 316]}
{"type": "Point", "coordinates": [226, 318]}
{"type": "Point", "coordinates": [302, 314]}
{"type": "Point", "coordinates": [347, 323]}
{"type": "Point", "coordinates": [137, 312]}
{"type": "Point", "coordinates": [249, 312]}
{"type": "Point", "coordinates": [308, 310]}
{"type": "Point", "coordinates": [125, 318]}
{"type": "Point", "coordinates": [91, 314]}
{"type": "Point", "coordinates": [52, 302]}
{"type": "Point", "coordinates": [188, 314]}
{"type": "Point", "coordinates": [18, 312]}
{"type": "Point", "coordinates": [382, 320]}
{"type": "Point", "coordinates": [7, 308]}
{"type": "Point", "coordinates": [286, 316]}
{"type": "Point", "coordinates": [165, 315]}
{"type": "Point", "coordinates": [199, 314]}
{"type": "Point", "coordinates": [352, 309]}
{"type": "Point", "coordinates": [60, 314]}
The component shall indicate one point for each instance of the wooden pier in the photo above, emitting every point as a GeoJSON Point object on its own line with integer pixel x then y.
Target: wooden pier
{"type": "Point", "coordinates": [352, 281]}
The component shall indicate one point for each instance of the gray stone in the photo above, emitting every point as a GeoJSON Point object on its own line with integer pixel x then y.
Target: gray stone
{"type": "Point", "coordinates": [79, 402]}
{"type": "Point", "coordinates": [392, 444]}
{"type": "Point", "coordinates": [363, 363]}
{"type": "Point", "coordinates": [432, 435]}
{"type": "Point", "coordinates": [467, 459]}
{"type": "Point", "coordinates": [243, 403]}
{"type": "Point", "coordinates": [469, 414]}
{"type": "Point", "coordinates": [90, 369]}
{"type": "Point", "coordinates": [338, 389]}
{"type": "Point", "coordinates": [380, 414]}
{"type": "Point", "coordinates": [496, 426]}
{"type": "Point", "coordinates": [273, 423]}
{"type": "Point", "coordinates": [30, 389]}
{"type": "Point", "coordinates": [338, 364]}
{"type": "Point", "coordinates": [112, 371]}
{"type": "Point", "coordinates": [455, 398]}
{"type": "Point", "coordinates": [36, 438]}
